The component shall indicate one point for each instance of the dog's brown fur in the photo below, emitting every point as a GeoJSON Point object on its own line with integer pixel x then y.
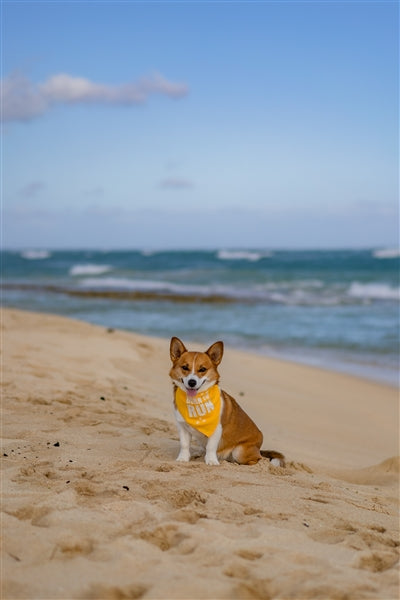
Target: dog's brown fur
{"type": "Point", "coordinates": [240, 438]}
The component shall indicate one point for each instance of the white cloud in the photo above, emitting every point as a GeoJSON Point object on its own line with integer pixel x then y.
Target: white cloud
{"type": "Point", "coordinates": [23, 100]}
{"type": "Point", "coordinates": [20, 100]}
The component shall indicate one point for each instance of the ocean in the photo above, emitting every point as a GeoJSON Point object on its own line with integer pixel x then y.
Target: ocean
{"type": "Point", "coordinates": [336, 309]}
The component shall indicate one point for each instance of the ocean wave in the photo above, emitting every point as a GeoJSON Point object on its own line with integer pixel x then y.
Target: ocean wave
{"type": "Point", "coordinates": [153, 286]}
{"type": "Point", "coordinates": [242, 255]}
{"type": "Point", "coordinates": [141, 285]}
{"type": "Point", "coordinates": [373, 291]}
{"type": "Point", "coordinates": [386, 253]}
{"type": "Point", "coordinates": [35, 254]}
{"type": "Point", "coordinates": [300, 293]}
{"type": "Point", "coordinates": [268, 294]}
{"type": "Point", "coordinates": [226, 291]}
{"type": "Point", "coordinates": [89, 269]}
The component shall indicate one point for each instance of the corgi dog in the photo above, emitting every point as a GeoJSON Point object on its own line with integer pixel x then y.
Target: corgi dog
{"type": "Point", "coordinates": [209, 414]}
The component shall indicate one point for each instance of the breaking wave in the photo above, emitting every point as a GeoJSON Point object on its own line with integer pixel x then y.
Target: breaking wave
{"type": "Point", "coordinates": [373, 291]}
{"type": "Point", "coordinates": [89, 269]}
{"type": "Point", "coordinates": [242, 255]}
{"type": "Point", "coordinates": [153, 287]}
{"type": "Point", "coordinates": [299, 293]}
{"type": "Point", "coordinates": [386, 253]}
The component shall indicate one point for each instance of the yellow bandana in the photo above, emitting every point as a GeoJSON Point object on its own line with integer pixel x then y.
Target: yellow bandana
{"type": "Point", "coordinates": [201, 411]}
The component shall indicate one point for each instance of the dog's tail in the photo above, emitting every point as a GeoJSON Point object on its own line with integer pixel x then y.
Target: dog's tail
{"type": "Point", "coordinates": [276, 458]}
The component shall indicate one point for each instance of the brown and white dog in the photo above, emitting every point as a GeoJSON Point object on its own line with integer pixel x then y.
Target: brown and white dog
{"type": "Point", "coordinates": [209, 414]}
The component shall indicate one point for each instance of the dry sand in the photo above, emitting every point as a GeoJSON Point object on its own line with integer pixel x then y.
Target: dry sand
{"type": "Point", "coordinates": [95, 506]}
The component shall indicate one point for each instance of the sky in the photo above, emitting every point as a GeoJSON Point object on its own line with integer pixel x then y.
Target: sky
{"type": "Point", "coordinates": [202, 124]}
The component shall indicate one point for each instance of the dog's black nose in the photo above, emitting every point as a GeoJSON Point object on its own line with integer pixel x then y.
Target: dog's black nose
{"type": "Point", "coordinates": [192, 383]}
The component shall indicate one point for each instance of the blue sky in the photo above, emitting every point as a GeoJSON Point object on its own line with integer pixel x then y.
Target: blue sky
{"type": "Point", "coordinates": [200, 124]}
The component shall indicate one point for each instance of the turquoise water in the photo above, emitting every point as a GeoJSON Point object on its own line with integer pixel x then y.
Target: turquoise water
{"type": "Point", "coordinates": [335, 309]}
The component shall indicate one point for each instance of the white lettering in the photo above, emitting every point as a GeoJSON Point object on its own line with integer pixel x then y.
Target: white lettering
{"type": "Point", "coordinates": [201, 410]}
{"type": "Point", "coordinates": [191, 411]}
{"type": "Point", "coordinates": [198, 407]}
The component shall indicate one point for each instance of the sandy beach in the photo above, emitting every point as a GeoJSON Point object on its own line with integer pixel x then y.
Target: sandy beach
{"type": "Point", "coordinates": [94, 505]}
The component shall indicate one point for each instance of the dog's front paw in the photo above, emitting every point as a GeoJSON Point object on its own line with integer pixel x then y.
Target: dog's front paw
{"type": "Point", "coordinates": [183, 457]}
{"type": "Point", "coordinates": [211, 460]}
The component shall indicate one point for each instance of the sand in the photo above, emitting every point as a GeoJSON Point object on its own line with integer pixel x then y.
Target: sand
{"type": "Point", "coordinates": [94, 505]}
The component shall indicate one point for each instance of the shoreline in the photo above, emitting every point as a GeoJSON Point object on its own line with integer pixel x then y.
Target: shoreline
{"type": "Point", "coordinates": [337, 364]}
{"type": "Point", "coordinates": [334, 310]}
{"type": "Point", "coordinates": [332, 361]}
{"type": "Point", "coordinates": [89, 476]}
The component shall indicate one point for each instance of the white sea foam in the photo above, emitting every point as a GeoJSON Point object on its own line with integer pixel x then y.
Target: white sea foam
{"type": "Point", "coordinates": [310, 293]}
{"type": "Point", "coordinates": [386, 253]}
{"type": "Point", "coordinates": [35, 254]}
{"type": "Point", "coordinates": [276, 293]}
{"type": "Point", "coordinates": [242, 255]}
{"type": "Point", "coordinates": [122, 283]}
{"type": "Point", "coordinates": [168, 287]}
{"type": "Point", "coordinates": [373, 291]}
{"type": "Point", "coordinates": [89, 269]}
{"type": "Point", "coordinates": [139, 285]}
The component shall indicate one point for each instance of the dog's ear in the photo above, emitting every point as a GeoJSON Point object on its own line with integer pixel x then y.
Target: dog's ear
{"type": "Point", "coordinates": [176, 348]}
{"type": "Point", "coordinates": [215, 352]}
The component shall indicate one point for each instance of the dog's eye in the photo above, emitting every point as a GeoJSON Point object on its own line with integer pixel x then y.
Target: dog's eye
{"type": "Point", "coordinates": [202, 370]}
{"type": "Point", "coordinates": [185, 368]}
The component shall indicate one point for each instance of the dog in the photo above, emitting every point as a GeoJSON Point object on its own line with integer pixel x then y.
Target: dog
{"type": "Point", "coordinates": [209, 414]}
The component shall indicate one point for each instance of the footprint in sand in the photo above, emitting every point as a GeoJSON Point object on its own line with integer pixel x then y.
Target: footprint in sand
{"type": "Point", "coordinates": [131, 592]}
{"type": "Point", "coordinates": [376, 561]}
{"type": "Point", "coordinates": [38, 473]}
{"type": "Point", "coordinates": [165, 468]}
{"type": "Point", "coordinates": [253, 588]}
{"type": "Point", "coordinates": [150, 426]}
{"type": "Point", "coordinates": [187, 515]}
{"type": "Point", "coordinates": [237, 570]}
{"type": "Point", "coordinates": [165, 537]}
{"type": "Point", "coordinates": [176, 499]}
{"type": "Point", "coordinates": [373, 540]}
{"type": "Point", "coordinates": [72, 546]}
{"type": "Point", "coordinates": [378, 552]}
{"type": "Point", "coordinates": [35, 514]}
{"type": "Point", "coordinates": [333, 535]}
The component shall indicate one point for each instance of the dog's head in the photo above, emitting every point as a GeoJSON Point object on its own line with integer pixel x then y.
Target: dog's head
{"type": "Point", "coordinates": [194, 372]}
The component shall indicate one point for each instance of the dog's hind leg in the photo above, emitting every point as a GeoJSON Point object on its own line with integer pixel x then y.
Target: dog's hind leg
{"type": "Point", "coordinates": [246, 455]}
